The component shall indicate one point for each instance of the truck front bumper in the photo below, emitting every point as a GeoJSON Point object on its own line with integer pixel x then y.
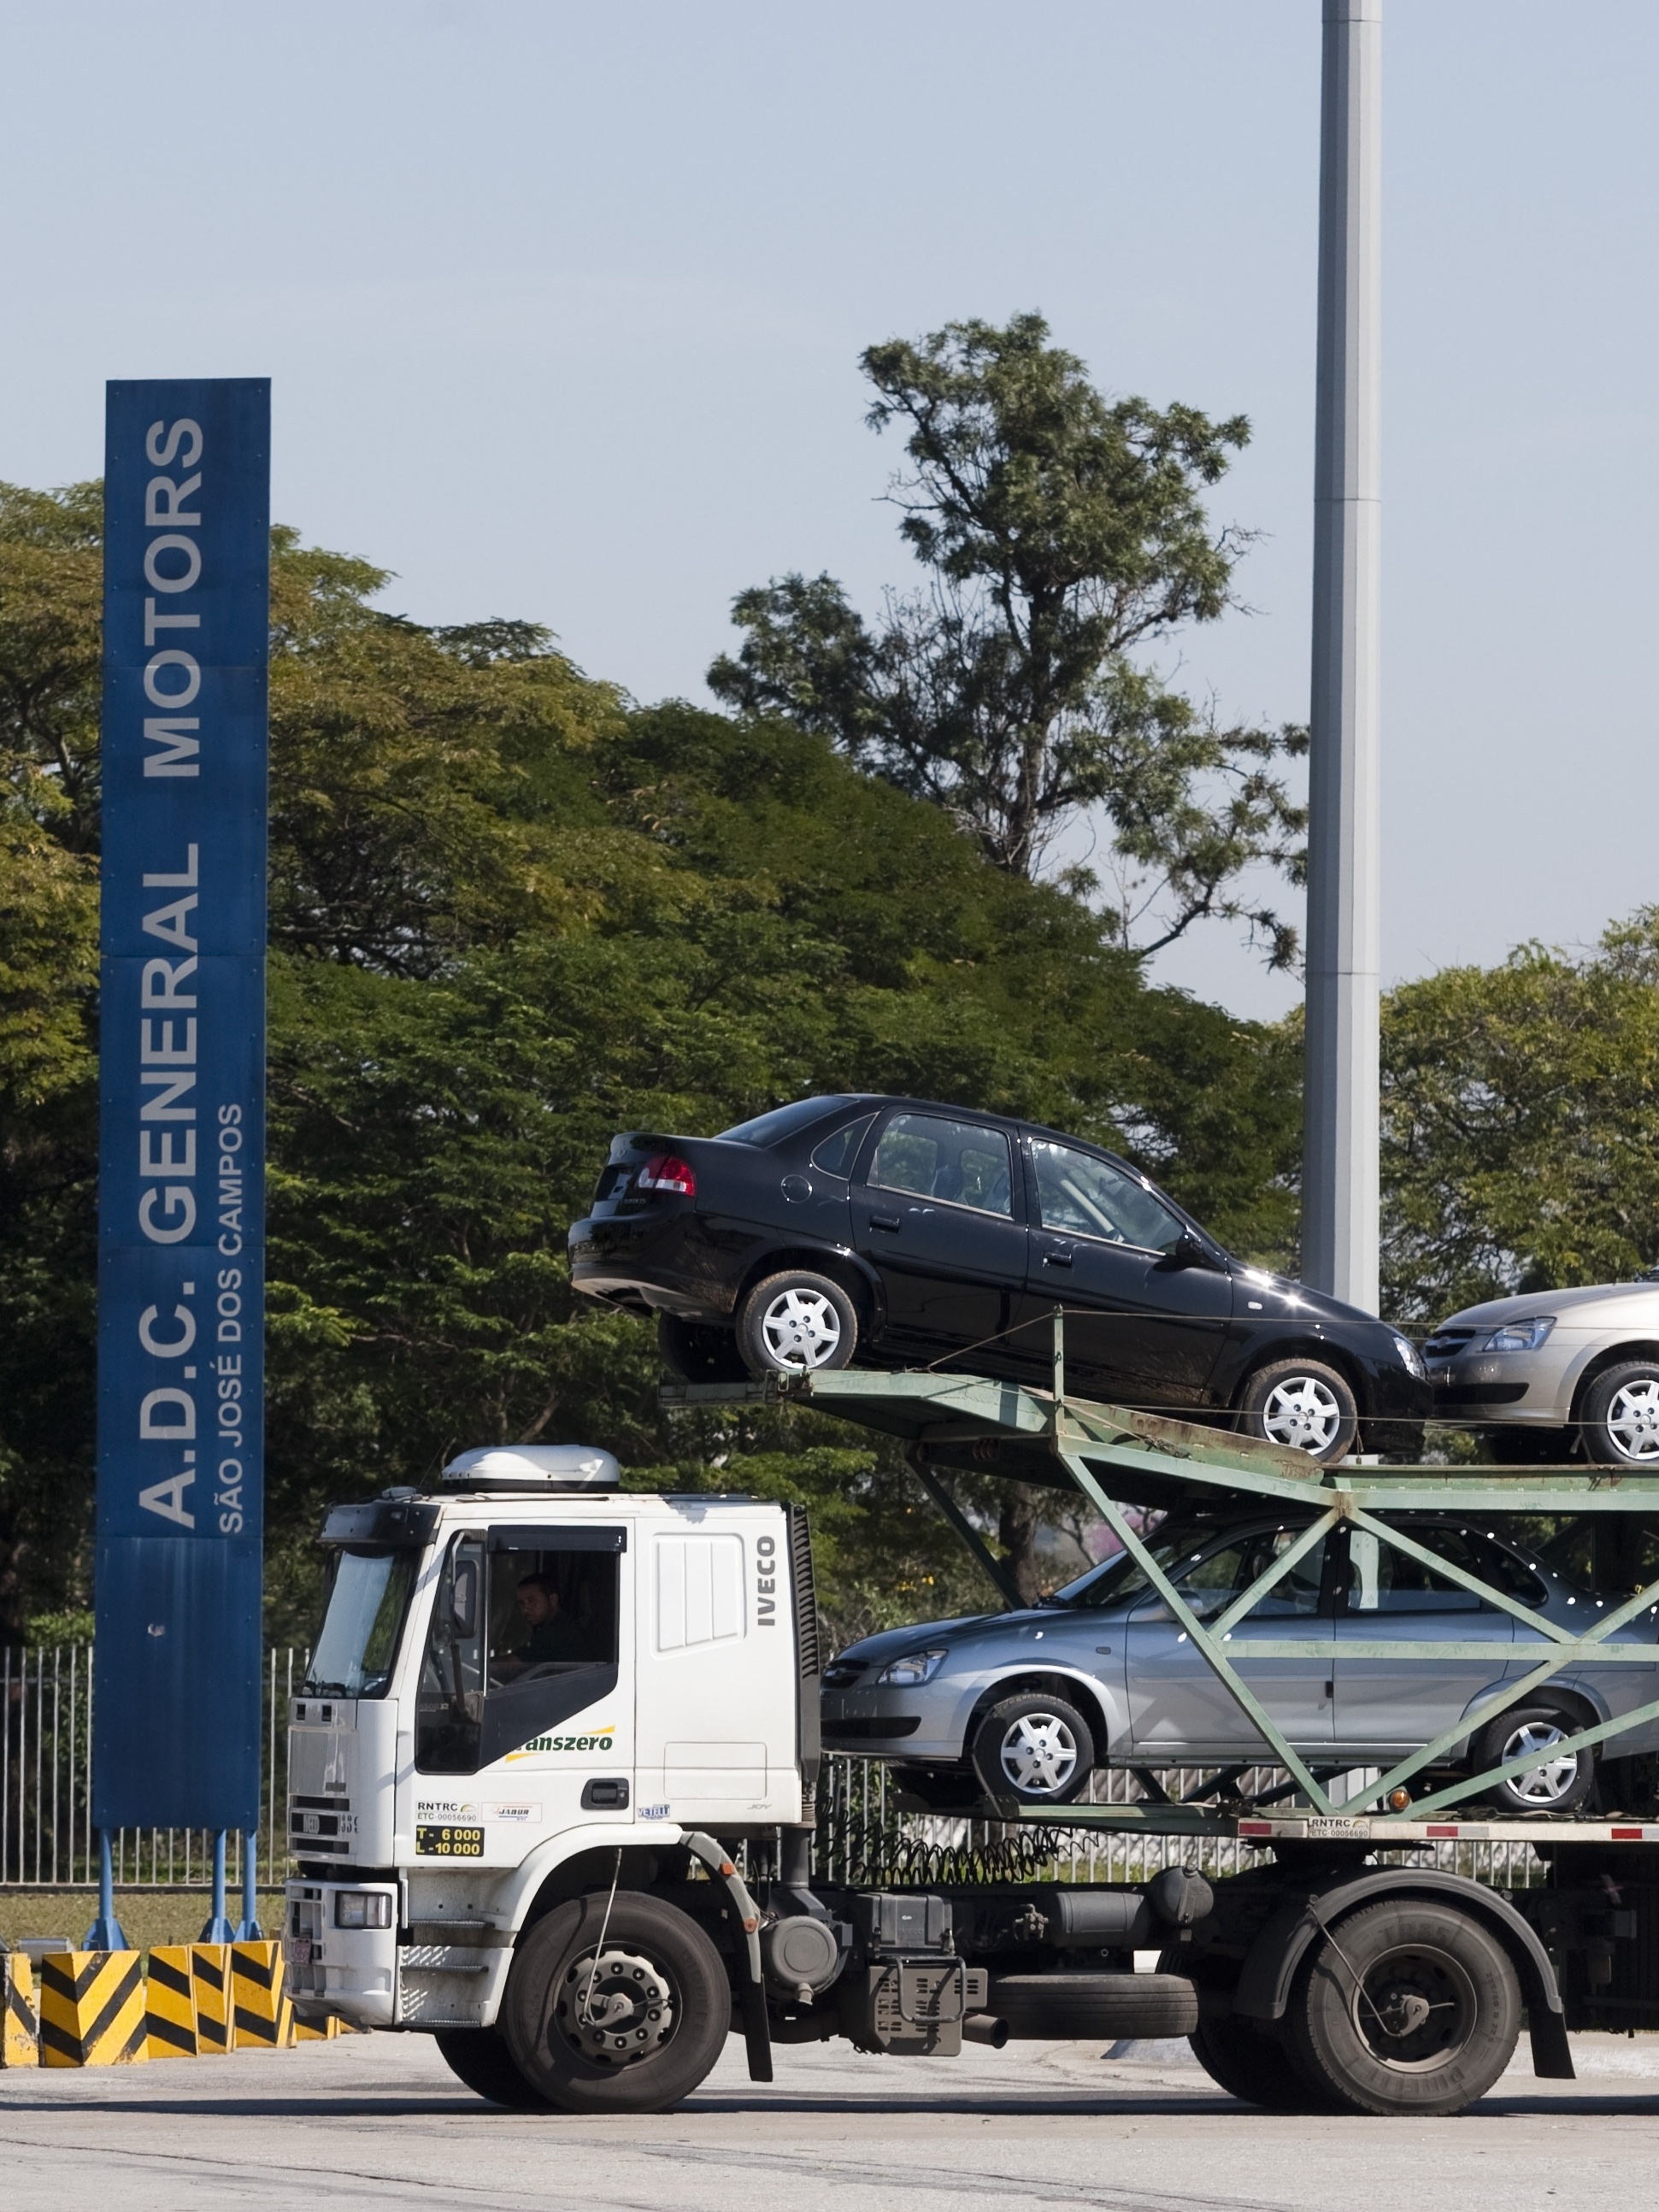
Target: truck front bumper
{"type": "Point", "coordinates": [334, 1969]}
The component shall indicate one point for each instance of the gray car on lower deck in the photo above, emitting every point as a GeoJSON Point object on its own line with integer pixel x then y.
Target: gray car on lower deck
{"type": "Point", "coordinates": [1029, 1702]}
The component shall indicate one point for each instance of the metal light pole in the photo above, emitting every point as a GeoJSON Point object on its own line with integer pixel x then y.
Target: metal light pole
{"type": "Point", "coordinates": [1340, 1185]}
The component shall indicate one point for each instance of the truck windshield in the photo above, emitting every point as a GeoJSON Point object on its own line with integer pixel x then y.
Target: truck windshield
{"type": "Point", "coordinates": [358, 1641]}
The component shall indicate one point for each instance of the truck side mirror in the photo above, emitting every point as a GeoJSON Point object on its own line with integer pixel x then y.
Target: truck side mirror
{"type": "Point", "coordinates": [464, 1598]}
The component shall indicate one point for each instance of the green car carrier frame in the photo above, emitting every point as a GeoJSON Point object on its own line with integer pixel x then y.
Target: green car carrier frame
{"type": "Point", "coordinates": [1341, 1946]}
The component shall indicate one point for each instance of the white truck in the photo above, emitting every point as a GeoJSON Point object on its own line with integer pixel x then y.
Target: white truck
{"type": "Point", "coordinates": [542, 1715]}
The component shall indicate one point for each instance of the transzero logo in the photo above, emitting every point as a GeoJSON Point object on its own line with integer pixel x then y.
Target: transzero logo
{"type": "Point", "coordinates": [603, 1738]}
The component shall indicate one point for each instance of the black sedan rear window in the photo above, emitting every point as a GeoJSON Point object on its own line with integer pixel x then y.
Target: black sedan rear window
{"type": "Point", "coordinates": [782, 1122]}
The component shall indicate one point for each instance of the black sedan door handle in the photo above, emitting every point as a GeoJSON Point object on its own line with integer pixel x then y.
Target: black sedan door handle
{"type": "Point", "coordinates": [883, 1221]}
{"type": "Point", "coordinates": [1058, 1258]}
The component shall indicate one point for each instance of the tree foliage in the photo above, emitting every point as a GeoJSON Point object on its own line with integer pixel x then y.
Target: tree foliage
{"type": "Point", "coordinates": [1520, 1124]}
{"type": "Point", "coordinates": [511, 914]}
{"type": "Point", "coordinates": [1063, 535]}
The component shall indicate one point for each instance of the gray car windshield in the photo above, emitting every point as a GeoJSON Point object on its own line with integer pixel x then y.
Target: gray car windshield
{"type": "Point", "coordinates": [1118, 1579]}
{"type": "Point", "coordinates": [357, 1643]}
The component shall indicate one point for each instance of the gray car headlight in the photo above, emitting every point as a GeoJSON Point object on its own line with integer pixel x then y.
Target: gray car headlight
{"type": "Point", "coordinates": [1519, 1335]}
{"type": "Point", "coordinates": [915, 1667]}
{"type": "Point", "coordinates": [1413, 1358]}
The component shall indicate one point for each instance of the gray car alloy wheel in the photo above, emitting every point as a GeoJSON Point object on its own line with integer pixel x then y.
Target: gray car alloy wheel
{"type": "Point", "coordinates": [1632, 1419]}
{"type": "Point", "coordinates": [802, 1328]}
{"type": "Point", "coordinates": [1549, 1782]}
{"type": "Point", "coordinates": [1038, 1753]}
{"type": "Point", "coordinates": [1303, 1411]}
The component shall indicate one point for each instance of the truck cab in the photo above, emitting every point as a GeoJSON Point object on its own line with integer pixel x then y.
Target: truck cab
{"type": "Point", "coordinates": [524, 1670]}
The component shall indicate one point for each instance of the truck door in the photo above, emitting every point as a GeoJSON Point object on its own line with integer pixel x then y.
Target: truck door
{"type": "Point", "coordinates": [715, 1701]}
{"type": "Point", "coordinates": [522, 1720]}
{"type": "Point", "coordinates": [1179, 1707]}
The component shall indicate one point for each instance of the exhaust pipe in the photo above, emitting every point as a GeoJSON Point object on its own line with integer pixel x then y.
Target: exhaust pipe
{"type": "Point", "coordinates": [985, 2028]}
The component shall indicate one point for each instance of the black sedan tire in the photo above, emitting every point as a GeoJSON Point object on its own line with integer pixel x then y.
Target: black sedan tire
{"type": "Point", "coordinates": [795, 1323]}
{"type": "Point", "coordinates": [1034, 1748]}
{"type": "Point", "coordinates": [1303, 1404]}
{"type": "Point", "coordinates": [1559, 1783]}
{"type": "Point", "coordinates": [697, 1352]}
{"type": "Point", "coordinates": [1621, 1416]}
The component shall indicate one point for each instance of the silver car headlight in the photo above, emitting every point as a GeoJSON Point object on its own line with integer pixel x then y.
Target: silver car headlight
{"type": "Point", "coordinates": [1519, 1335]}
{"type": "Point", "coordinates": [1412, 1357]}
{"type": "Point", "coordinates": [915, 1668]}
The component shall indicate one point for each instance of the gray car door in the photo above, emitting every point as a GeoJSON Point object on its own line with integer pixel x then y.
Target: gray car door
{"type": "Point", "coordinates": [1179, 1706]}
{"type": "Point", "coordinates": [1395, 1703]}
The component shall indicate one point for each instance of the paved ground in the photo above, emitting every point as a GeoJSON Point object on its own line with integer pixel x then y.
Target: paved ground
{"type": "Point", "coordinates": [376, 2121]}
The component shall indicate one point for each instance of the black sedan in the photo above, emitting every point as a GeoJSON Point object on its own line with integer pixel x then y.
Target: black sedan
{"type": "Point", "coordinates": [902, 1233]}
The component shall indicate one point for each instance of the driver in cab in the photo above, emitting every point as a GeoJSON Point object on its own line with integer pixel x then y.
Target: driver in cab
{"type": "Point", "coordinates": [550, 1636]}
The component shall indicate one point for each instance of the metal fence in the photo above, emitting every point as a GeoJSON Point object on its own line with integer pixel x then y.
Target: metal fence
{"type": "Point", "coordinates": [46, 1837]}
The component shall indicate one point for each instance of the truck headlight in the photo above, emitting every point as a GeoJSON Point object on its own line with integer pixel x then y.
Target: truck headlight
{"type": "Point", "coordinates": [362, 1908]}
{"type": "Point", "coordinates": [915, 1667]}
{"type": "Point", "coordinates": [1413, 1358]}
{"type": "Point", "coordinates": [1519, 1335]}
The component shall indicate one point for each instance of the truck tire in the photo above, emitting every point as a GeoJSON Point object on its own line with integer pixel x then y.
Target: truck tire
{"type": "Point", "coordinates": [796, 1323]}
{"type": "Point", "coordinates": [1036, 1748]}
{"type": "Point", "coordinates": [1052, 2006]}
{"type": "Point", "coordinates": [1557, 1784]}
{"type": "Point", "coordinates": [1251, 2063]}
{"type": "Point", "coordinates": [1303, 1404]}
{"type": "Point", "coordinates": [630, 2028]}
{"type": "Point", "coordinates": [1407, 2007]}
{"type": "Point", "coordinates": [697, 1352]}
{"type": "Point", "coordinates": [479, 2056]}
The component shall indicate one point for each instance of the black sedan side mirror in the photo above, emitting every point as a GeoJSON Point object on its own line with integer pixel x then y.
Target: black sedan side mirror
{"type": "Point", "coordinates": [1188, 1252]}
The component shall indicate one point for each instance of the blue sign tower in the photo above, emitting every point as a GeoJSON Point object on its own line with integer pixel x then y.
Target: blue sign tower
{"type": "Point", "coordinates": [181, 1166]}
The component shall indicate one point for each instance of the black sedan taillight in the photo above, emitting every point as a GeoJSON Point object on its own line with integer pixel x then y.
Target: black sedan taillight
{"type": "Point", "coordinates": [668, 1171]}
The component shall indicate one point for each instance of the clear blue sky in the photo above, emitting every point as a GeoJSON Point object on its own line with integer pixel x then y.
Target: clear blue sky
{"type": "Point", "coordinates": [564, 305]}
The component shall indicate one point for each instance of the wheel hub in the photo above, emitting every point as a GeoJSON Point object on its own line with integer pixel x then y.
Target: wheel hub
{"type": "Point", "coordinates": [614, 2008]}
{"type": "Point", "coordinates": [1301, 1412]}
{"type": "Point", "coordinates": [801, 1329]}
{"type": "Point", "coordinates": [1414, 2009]}
{"type": "Point", "coordinates": [1633, 1421]}
{"type": "Point", "coordinates": [1039, 1753]}
{"type": "Point", "coordinates": [1552, 1778]}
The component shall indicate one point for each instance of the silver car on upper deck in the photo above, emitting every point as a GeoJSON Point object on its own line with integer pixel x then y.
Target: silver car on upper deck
{"type": "Point", "coordinates": [1555, 1374]}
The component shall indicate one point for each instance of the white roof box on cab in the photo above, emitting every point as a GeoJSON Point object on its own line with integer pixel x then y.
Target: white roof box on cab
{"type": "Point", "coordinates": [533, 1467]}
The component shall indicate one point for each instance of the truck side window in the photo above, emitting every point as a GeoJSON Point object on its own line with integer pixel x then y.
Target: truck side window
{"type": "Point", "coordinates": [450, 1700]}
{"type": "Point", "coordinates": [552, 1633]}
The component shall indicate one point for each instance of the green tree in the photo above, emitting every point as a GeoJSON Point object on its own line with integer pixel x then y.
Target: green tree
{"type": "Point", "coordinates": [1063, 535]}
{"type": "Point", "coordinates": [1520, 1124]}
{"type": "Point", "coordinates": [511, 914]}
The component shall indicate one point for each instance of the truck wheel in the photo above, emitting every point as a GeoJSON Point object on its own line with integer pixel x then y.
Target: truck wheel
{"type": "Point", "coordinates": [1251, 2064]}
{"type": "Point", "coordinates": [697, 1352]}
{"type": "Point", "coordinates": [1407, 2006]}
{"type": "Point", "coordinates": [1621, 1416]}
{"type": "Point", "coordinates": [1559, 1782]}
{"type": "Point", "coordinates": [1060, 2005]}
{"type": "Point", "coordinates": [632, 2028]}
{"type": "Point", "coordinates": [1036, 1748]}
{"type": "Point", "coordinates": [1303, 1404]}
{"type": "Point", "coordinates": [794, 1323]}
{"type": "Point", "coordinates": [479, 2056]}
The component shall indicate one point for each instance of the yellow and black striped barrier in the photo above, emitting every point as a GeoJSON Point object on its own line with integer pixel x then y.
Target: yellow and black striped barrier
{"type": "Point", "coordinates": [262, 2010]}
{"type": "Point", "coordinates": [92, 2008]}
{"type": "Point", "coordinates": [317, 2030]}
{"type": "Point", "coordinates": [210, 1975]}
{"type": "Point", "coordinates": [19, 2041]}
{"type": "Point", "coordinates": [170, 2002]}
